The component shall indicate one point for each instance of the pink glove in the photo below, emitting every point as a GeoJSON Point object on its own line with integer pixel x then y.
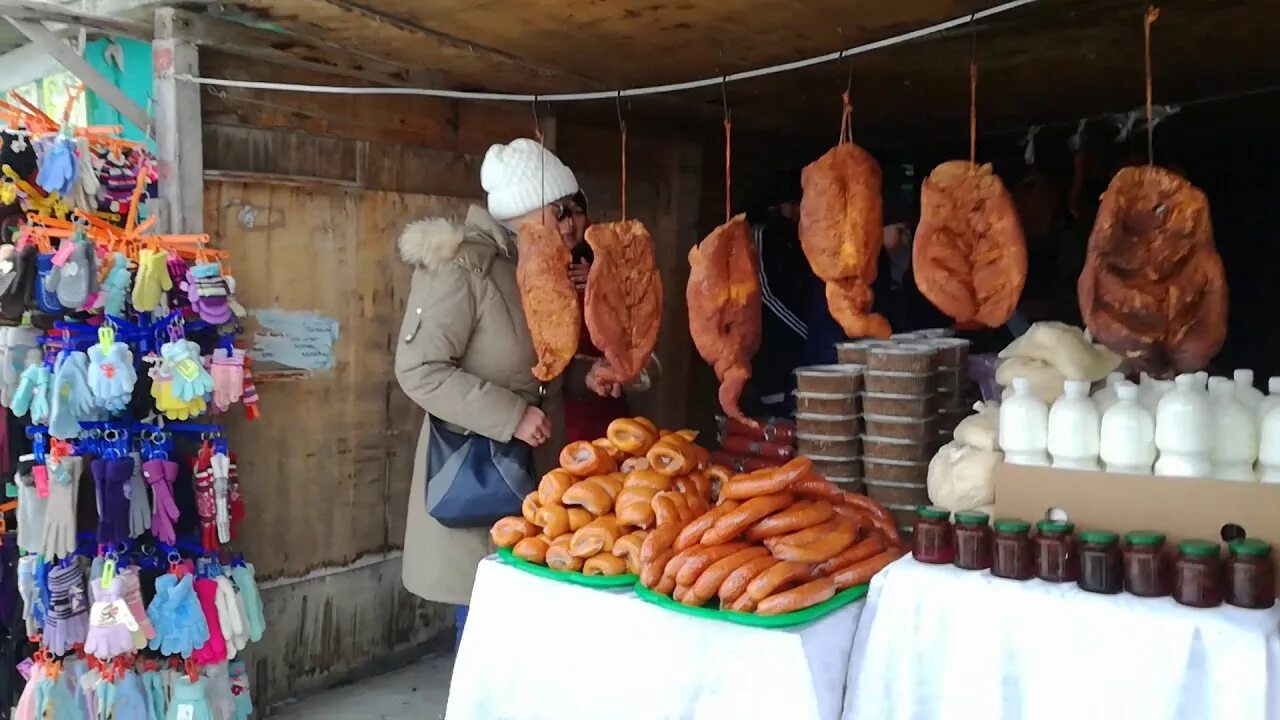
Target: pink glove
{"type": "Point", "coordinates": [214, 651]}
{"type": "Point", "coordinates": [111, 624]}
{"type": "Point", "coordinates": [206, 501]}
{"type": "Point", "coordinates": [133, 596]}
{"type": "Point", "coordinates": [228, 377]}
{"type": "Point", "coordinates": [160, 475]}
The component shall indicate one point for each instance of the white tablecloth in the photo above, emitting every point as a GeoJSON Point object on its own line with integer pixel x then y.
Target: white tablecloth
{"type": "Point", "coordinates": [939, 642]}
{"type": "Point", "coordinates": [535, 648]}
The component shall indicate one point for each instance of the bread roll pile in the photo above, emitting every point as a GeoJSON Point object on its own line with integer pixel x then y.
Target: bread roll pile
{"type": "Point", "coordinates": [779, 540]}
{"type": "Point", "coordinates": [592, 514]}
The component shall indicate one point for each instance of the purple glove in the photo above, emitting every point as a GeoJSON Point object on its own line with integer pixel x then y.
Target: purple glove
{"type": "Point", "coordinates": [67, 623]}
{"type": "Point", "coordinates": [111, 482]}
{"type": "Point", "coordinates": [160, 475]}
{"type": "Point", "coordinates": [111, 623]}
{"type": "Point", "coordinates": [177, 268]}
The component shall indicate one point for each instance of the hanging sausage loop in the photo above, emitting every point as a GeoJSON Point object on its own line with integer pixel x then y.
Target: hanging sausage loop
{"type": "Point", "coordinates": [1149, 18]}
{"type": "Point", "coordinates": [728, 149]}
{"type": "Point", "coordinates": [622, 126]}
{"type": "Point", "coordinates": [846, 120]}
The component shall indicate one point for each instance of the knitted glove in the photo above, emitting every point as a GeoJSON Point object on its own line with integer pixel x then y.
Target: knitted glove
{"type": "Point", "coordinates": [111, 376]}
{"type": "Point", "coordinates": [190, 379]}
{"type": "Point", "coordinates": [240, 691]}
{"type": "Point", "coordinates": [26, 708]}
{"type": "Point", "coordinates": [228, 377]}
{"type": "Point", "coordinates": [57, 699]}
{"type": "Point", "coordinates": [139, 501]}
{"type": "Point", "coordinates": [46, 297]}
{"type": "Point", "coordinates": [160, 475]}
{"type": "Point", "coordinates": [58, 168]}
{"type": "Point", "coordinates": [144, 297]}
{"type": "Point", "coordinates": [242, 575]}
{"type": "Point", "coordinates": [115, 289]}
{"type": "Point", "coordinates": [221, 702]}
{"type": "Point", "coordinates": [189, 700]}
{"type": "Point", "coordinates": [31, 507]}
{"type": "Point", "coordinates": [206, 503]}
{"type": "Point", "coordinates": [72, 400]}
{"type": "Point", "coordinates": [60, 514]}
{"type": "Point", "coordinates": [177, 268]}
{"type": "Point", "coordinates": [68, 621]}
{"type": "Point", "coordinates": [231, 616]}
{"type": "Point", "coordinates": [235, 500]}
{"type": "Point", "coordinates": [114, 506]}
{"type": "Point", "coordinates": [130, 699]}
{"type": "Point", "coordinates": [73, 276]}
{"type": "Point", "coordinates": [133, 597]}
{"type": "Point", "coordinates": [32, 394]}
{"type": "Point", "coordinates": [111, 624]}
{"type": "Point", "coordinates": [220, 467]}
{"type": "Point", "coordinates": [16, 345]}
{"type": "Point", "coordinates": [214, 650]}
{"type": "Point", "coordinates": [157, 695]}
{"type": "Point", "coordinates": [30, 595]}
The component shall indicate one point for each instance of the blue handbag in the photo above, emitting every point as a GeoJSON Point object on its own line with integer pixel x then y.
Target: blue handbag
{"type": "Point", "coordinates": [472, 480]}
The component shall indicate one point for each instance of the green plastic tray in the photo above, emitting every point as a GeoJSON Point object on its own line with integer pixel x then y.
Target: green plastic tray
{"type": "Point", "coordinates": [799, 617]}
{"type": "Point", "coordinates": [566, 576]}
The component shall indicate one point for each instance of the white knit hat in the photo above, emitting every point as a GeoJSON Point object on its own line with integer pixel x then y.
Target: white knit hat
{"type": "Point", "coordinates": [522, 176]}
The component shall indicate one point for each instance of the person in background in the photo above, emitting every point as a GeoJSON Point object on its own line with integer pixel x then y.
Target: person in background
{"type": "Point", "coordinates": [896, 295]}
{"type": "Point", "coordinates": [586, 414]}
{"type": "Point", "coordinates": [786, 288]}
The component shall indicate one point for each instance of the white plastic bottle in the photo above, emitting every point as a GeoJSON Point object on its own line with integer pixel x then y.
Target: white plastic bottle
{"type": "Point", "coordinates": [1250, 396]}
{"type": "Point", "coordinates": [1106, 397]}
{"type": "Point", "coordinates": [1024, 426]}
{"type": "Point", "coordinates": [1073, 428]}
{"type": "Point", "coordinates": [1151, 390]}
{"type": "Point", "coordinates": [1269, 447]}
{"type": "Point", "coordinates": [1128, 435]}
{"type": "Point", "coordinates": [1271, 400]}
{"type": "Point", "coordinates": [1235, 433]}
{"type": "Point", "coordinates": [1184, 430]}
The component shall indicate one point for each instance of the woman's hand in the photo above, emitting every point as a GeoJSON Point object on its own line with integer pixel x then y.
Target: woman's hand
{"type": "Point", "coordinates": [600, 386]}
{"type": "Point", "coordinates": [578, 274]}
{"type": "Point", "coordinates": [534, 428]}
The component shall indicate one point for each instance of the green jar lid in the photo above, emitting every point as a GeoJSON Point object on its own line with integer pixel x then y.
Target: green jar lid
{"type": "Point", "coordinates": [1144, 538]}
{"type": "Point", "coordinates": [973, 517]}
{"type": "Point", "coordinates": [1099, 537]}
{"type": "Point", "coordinates": [1055, 526]}
{"type": "Point", "coordinates": [1012, 525]}
{"type": "Point", "coordinates": [1199, 548]}
{"type": "Point", "coordinates": [932, 512]}
{"type": "Point", "coordinates": [1249, 548]}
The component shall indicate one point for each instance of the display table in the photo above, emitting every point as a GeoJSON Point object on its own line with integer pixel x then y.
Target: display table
{"type": "Point", "coordinates": [939, 642]}
{"type": "Point", "coordinates": [536, 648]}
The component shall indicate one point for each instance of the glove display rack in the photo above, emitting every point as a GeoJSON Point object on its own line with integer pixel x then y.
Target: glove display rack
{"type": "Point", "coordinates": [118, 586]}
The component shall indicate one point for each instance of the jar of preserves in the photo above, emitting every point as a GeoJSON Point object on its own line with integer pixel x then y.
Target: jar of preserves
{"type": "Point", "coordinates": [933, 540]}
{"type": "Point", "coordinates": [1014, 559]}
{"type": "Point", "coordinates": [1101, 564]}
{"type": "Point", "coordinates": [973, 541]}
{"type": "Point", "coordinates": [1055, 551]}
{"type": "Point", "coordinates": [1198, 574]}
{"type": "Point", "coordinates": [1146, 569]}
{"type": "Point", "coordinates": [1251, 575]}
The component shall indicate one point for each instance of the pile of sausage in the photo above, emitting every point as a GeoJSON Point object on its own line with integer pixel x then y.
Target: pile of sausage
{"type": "Point", "coordinates": [593, 513]}
{"type": "Point", "coordinates": [779, 540]}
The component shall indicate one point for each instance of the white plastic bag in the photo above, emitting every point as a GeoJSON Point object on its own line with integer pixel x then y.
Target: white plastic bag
{"type": "Point", "coordinates": [1046, 381]}
{"type": "Point", "coordinates": [1066, 348]}
{"type": "Point", "coordinates": [963, 478]}
{"type": "Point", "coordinates": [982, 430]}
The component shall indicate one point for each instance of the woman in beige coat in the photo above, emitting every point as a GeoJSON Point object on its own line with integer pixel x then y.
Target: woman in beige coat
{"type": "Point", "coordinates": [464, 352]}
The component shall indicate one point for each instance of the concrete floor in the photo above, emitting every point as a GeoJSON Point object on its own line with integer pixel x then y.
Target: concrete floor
{"type": "Point", "coordinates": [417, 692]}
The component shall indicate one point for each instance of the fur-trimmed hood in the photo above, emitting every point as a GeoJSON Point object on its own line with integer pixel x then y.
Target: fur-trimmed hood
{"type": "Point", "coordinates": [435, 241]}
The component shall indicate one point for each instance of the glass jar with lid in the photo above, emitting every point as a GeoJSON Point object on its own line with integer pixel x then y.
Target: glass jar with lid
{"type": "Point", "coordinates": [1014, 558]}
{"type": "Point", "coordinates": [933, 540]}
{"type": "Point", "coordinates": [1055, 551]}
{"type": "Point", "coordinates": [1101, 564]}
{"type": "Point", "coordinates": [1198, 574]}
{"type": "Point", "coordinates": [1146, 568]}
{"type": "Point", "coordinates": [1251, 575]}
{"type": "Point", "coordinates": [973, 540]}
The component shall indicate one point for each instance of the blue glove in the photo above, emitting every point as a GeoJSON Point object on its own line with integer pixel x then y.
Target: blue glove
{"type": "Point", "coordinates": [130, 699]}
{"type": "Point", "coordinates": [116, 286]}
{"type": "Point", "coordinates": [190, 379]}
{"type": "Point", "coordinates": [46, 298]}
{"type": "Point", "coordinates": [189, 701]}
{"type": "Point", "coordinates": [72, 399]}
{"type": "Point", "coordinates": [240, 691]}
{"type": "Point", "coordinates": [242, 576]}
{"type": "Point", "coordinates": [33, 391]}
{"type": "Point", "coordinates": [58, 168]}
{"type": "Point", "coordinates": [153, 683]}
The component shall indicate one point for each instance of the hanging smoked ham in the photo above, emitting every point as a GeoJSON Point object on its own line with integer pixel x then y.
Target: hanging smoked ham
{"type": "Point", "coordinates": [1153, 288]}
{"type": "Point", "coordinates": [841, 233]}
{"type": "Point", "coordinates": [969, 256]}
{"type": "Point", "coordinates": [723, 295]}
{"type": "Point", "coordinates": [550, 302]}
{"type": "Point", "coordinates": [623, 302]}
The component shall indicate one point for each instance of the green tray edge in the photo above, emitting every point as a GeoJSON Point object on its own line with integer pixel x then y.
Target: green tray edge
{"type": "Point", "coordinates": [565, 576]}
{"type": "Point", "coordinates": [799, 617]}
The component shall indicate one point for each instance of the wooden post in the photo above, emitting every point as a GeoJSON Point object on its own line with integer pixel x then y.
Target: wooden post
{"type": "Point", "coordinates": [177, 126]}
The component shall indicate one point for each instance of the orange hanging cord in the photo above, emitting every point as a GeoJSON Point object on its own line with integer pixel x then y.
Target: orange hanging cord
{"type": "Point", "coordinates": [624, 170]}
{"type": "Point", "coordinates": [973, 91]}
{"type": "Point", "coordinates": [1149, 18]}
{"type": "Point", "coordinates": [846, 120]}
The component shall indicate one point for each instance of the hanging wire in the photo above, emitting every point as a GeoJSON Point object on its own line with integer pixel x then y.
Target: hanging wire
{"type": "Point", "coordinates": [630, 92]}
{"type": "Point", "coordinates": [973, 90]}
{"type": "Point", "coordinates": [728, 151]}
{"type": "Point", "coordinates": [1149, 18]}
{"type": "Point", "coordinates": [622, 127]}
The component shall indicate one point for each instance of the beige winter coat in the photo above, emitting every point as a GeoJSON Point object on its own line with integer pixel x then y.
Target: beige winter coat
{"type": "Point", "coordinates": [464, 356]}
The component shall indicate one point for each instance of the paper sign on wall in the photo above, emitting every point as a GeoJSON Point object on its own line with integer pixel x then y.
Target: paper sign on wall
{"type": "Point", "coordinates": [296, 340]}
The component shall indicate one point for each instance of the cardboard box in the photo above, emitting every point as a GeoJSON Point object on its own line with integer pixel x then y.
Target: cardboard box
{"type": "Point", "coordinates": [1181, 508]}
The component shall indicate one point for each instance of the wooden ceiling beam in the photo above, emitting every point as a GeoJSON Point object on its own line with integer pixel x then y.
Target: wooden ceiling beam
{"type": "Point", "coordinates": [41, 12]}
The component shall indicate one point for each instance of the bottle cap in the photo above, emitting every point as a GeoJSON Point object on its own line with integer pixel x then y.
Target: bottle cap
{"type": "Point", "coordinates": [1099, 537]}
{"type": "Point", "coordinates": [1199, 548]}
{"type": "Point", "coordinates": [1012, 525]}
{"type": "Point", "coordinates": [1055, 526]}
{"type": "Point", "coordinates": [931, 512]}
{"type": "Point", "coordinates": [972, 517]}
{"type": "Point", "coordinates": [1144, 538]}
{"type": "Point", "coordinates": [1249, 548]}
